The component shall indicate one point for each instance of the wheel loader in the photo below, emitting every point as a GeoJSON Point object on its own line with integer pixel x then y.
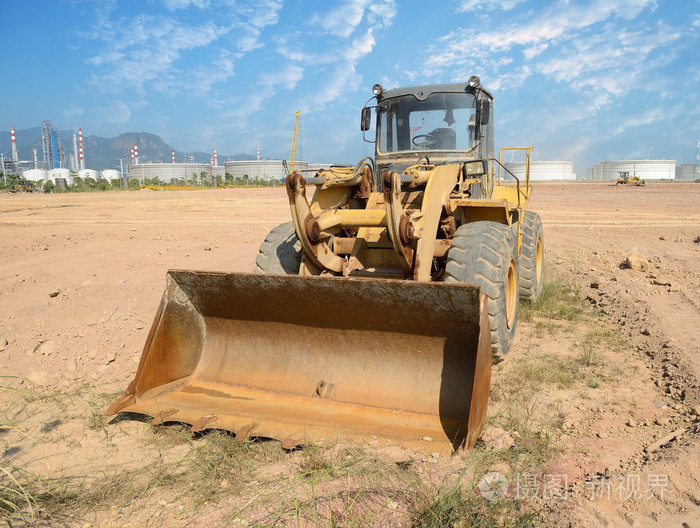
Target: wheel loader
{"type": "Point", "coordinates": [377, 310]}
{"type": "Point", "coordinates": [624, 178]}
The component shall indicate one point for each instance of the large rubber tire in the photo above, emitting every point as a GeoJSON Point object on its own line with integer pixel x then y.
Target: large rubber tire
{"type": "Point", "coordinates": [531, 258]}
{"type": "Point", "coordinates": [280, 253]}
{"type": "Point", "coordinates": [485, 253]}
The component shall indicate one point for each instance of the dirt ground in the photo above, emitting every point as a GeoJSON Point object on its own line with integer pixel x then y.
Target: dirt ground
{"type": "Point", "coordinates": [81, 276]}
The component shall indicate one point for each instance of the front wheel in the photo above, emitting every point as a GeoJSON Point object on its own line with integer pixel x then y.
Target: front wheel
{"type": "Point", "coordinates": [280, 253]}
{"type": "Point", "coordinates": [485, 253]}
{"type": "Point", "coordinates": [531, 257]}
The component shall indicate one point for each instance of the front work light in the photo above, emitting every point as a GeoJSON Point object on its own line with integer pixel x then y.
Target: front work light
{"type": "Point", "coordinates": [377, 89]}
{"type": "Point", "coordinates": [474, 81]}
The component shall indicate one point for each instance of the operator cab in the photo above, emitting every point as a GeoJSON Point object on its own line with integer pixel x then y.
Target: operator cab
{"type": "Point", "coordinates": [442, 123]}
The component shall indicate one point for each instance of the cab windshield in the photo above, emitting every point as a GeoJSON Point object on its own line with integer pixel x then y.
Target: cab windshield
{"type": "Point", "coordinates": [443, 121]}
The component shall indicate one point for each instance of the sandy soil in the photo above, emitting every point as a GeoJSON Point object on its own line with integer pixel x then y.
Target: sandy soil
{"type": "Point", "coordinates": [82, 275]}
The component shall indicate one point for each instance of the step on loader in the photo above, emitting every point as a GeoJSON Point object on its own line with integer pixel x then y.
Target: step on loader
{"type": "Point", "coordinates": [375, 312]}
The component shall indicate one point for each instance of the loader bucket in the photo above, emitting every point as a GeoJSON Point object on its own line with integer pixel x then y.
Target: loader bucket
{"type": "Point", "coordinates": [307, 359]}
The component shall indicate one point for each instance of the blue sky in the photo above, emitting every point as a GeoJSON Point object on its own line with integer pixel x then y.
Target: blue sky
{"type": "Point", "coordinates": [579, 80]}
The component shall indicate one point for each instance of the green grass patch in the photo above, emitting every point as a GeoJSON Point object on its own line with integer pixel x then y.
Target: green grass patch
{"type": "Point", "coordinates": [463, 506]}
{"type": "Point", "coordinates": [608, 337]}
{"type": "Point", "coordinates": [557, 301]}
{"type": "Point", "coordinates": [589, 356]}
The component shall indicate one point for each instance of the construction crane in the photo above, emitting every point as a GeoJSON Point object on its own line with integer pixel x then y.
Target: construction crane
{"type": "Point", "coordinates": [295, 136]}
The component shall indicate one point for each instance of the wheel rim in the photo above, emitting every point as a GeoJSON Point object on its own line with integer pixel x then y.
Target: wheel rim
{"type": "Point", "coordinates": [511, 293]}
{"type": "Point", "coordinates": [538, 260]}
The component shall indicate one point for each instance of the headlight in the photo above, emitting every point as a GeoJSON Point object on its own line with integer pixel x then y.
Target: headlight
{"type": "Point", "coordinates": [377, 89]}
{"type": "Point", "coordinates": [474, 81]}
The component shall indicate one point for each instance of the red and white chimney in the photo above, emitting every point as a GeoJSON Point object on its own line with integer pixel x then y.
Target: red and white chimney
{"type": "Point", "coordinates": [15, 156]}
{"type": "Point", "coordinates": [211, 160]}
{"type": "Point", "coordinates": [132, 155]}
{"type": "Point", "coordinates": [80, 149]}
{"type": "Point", "coordinates": [258, 152]}
{"type": "Point", "coordinates": [173, 156]}
{"type": "Point", "coordinates": [136, 154]}
{"type": "Point", "coordinates": [216, 159]}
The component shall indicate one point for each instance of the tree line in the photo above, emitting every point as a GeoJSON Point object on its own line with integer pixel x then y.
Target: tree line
{"type": "Point", "coordinates": [12, 181]}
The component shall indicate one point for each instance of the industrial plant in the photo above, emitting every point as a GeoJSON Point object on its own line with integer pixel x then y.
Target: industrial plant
{"type": "Point", "coordinates": [62, 169]}
{"type": "Point", "coordinates": [54, 165]}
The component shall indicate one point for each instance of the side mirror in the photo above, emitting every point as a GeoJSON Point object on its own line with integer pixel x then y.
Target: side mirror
{"type": "Point", "coordinates": [484, 111]}
{"type": "Point", "coordinates": [366, 119]}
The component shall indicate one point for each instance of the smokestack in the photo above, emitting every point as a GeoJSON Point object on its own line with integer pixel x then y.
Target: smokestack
{"type": "Point", "coordinates": [258, 152]}
{"type": "Point", "coordinates": [36, 158]}
{"type": "Point", "coordinates": [173, 156]}
{"type": "Point", "coordinates": [80, 144]}
{"type": "Point", "coordinates": [132, 155]}
{"type": "Point", "coordinates": [211, 160]}
{"type": "Point", "coordinates": [15, 156]}
{"type": "Point", "coordinates": [136, 154]}
{"type": "Point", "coordinates": [216, 159]}
{"type": "Point", "coordinates": [74, 156]}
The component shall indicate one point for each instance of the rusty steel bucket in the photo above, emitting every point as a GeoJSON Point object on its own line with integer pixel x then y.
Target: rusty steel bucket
{"type": "Point", "coordinates": [307, 359]}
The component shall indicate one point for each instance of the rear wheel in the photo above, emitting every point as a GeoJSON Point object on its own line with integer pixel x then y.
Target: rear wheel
{"type": "Point", "coordinates": [485, 253]}
{"type": "Point", "coordinates": [531, 257]}
{"type": "Point", "coordinates": [280, 253]}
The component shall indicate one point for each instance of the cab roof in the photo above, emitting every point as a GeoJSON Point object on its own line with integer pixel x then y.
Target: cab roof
{"type": "Point", "coordinates": [422, 92]}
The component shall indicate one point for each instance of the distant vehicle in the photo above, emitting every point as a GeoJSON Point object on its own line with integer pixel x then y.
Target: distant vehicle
{"type": "Point", "coordinates": [624, 178]}
{"type": "Point", "coordinates": [24, 186]}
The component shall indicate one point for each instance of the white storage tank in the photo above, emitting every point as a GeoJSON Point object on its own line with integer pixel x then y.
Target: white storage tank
{"type": "Point", "coordinates": [218, 170]}
{"type": "Point", "coordinates": [165, 172]}
{"type": "Point", "coordinates": [645, 169]}
{"type": "Point", "coordinates": [61, 173]}
{"type": "Point", "coordinates": [110, 174]}
{"type": "Point", "coordinates": [541, 170]}
{"type": "Point", "coordinates": [35, 175]}
{"type": "Point", "coordinates": [687, 172]}
{"type": "Point", "coordinates": [261, 169]}
{"type": "Point", "coordinates": [87, 173]}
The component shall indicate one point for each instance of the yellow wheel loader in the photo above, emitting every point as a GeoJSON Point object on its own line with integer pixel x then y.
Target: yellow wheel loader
{"type": "Point", "coordinates": [377, 310]}
{"type": "Point", "coordinates": [624, 178]}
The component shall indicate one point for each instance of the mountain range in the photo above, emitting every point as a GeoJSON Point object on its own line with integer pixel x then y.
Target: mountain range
{"type": "Point", "coordinates": [104, 153]}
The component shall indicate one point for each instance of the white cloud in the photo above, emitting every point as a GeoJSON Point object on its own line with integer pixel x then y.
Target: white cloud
{"type": "Point", "coordinates": [218, 71]}
{"type": "Point", "coordinates": [613, 62]}
{"type": "Point", "coordinates": [108, 56]}
{"type": "Point", "coordinates": [288, 77]}
{"type": "Point", "coordinates": [344, 79]}
{"type": "Point", "coordinates": [382, 13]}
{"type": "Point", "coordinates": [148, 51]}
{"type": "Point", "coordinates": [349, 36]}
{"type": "Point", "coordinates": [560, 22]}
{"type": "Point", "coordinates": [533, 51]}
{"type": "Point", "coordinates": [252, 18]}
{"type": "Point", "coordinates": [342, 21]}
{"type": "Point", "coordinates": [512, 80]}
{"type": "Point", "coordinates": [118, 112]}
{"type": "Point", "coordinates": [487, 5]}
{"type": "Point", "coordinates": [589, 45]}
{"type": "Point", "coordinates": [642, 118]}
{"type": "Point", "coordinates": [173, 5]}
